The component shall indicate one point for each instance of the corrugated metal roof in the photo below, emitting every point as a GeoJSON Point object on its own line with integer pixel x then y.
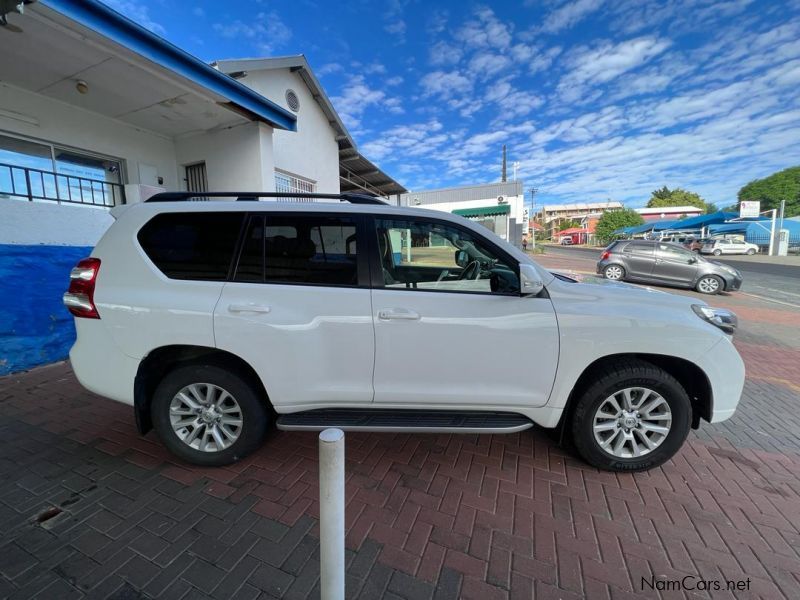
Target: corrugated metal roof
{"type": "Point", "coordinates": [483, 191]}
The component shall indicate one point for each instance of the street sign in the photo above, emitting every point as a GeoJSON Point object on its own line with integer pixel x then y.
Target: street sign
{"type": "Point", "coordinates": [749, 208]}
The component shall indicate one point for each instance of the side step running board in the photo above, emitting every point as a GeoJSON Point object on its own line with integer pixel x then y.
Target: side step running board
{"type": "Point", "coordinates": [425, 421]}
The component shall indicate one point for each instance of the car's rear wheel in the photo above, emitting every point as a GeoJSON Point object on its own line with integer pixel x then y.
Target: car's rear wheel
{"type": "Point", "coordinates": [709, 284]}
{"type": "Point", "coordinates": [634, 417]}
{"type": "Point", "coordinates": [614, 272]}
{"type": "Point", "coordinates": [208, 415]}
{"type": "Point", "coordinates": [717, 252]}
{"type": "Point", "coordinates": [750, 251]}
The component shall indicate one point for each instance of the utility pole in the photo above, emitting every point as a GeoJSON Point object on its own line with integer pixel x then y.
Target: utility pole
{"type": "Point", "coordinates": [503, 173]}
{"type": "Point", "coordinates": [532, 217]}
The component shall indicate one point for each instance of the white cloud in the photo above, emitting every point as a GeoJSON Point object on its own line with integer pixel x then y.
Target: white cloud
{"type": "Point", "coordinates": [485, 30]}
{"type": "Point", "coordinates": [328, 68]}
{"type": "Point", "coordinates": [397, 28]}
{"type": "Point", "coordinates": [266, 32]}
{"type": "Point", "coordinates": [394, 81]}
{"type": "Point", "coordinates": [602, 63]}
{"type": "Point", "coordinates": [444, 54]}
{"type": "Point", "coordinates": [137, 12]}
{"type": "Point", "coordinates": [568, 14]}
{"type": "Point", "coordinates": [486, 64]}
{"type": "Point", "coordinates": [445, 84]}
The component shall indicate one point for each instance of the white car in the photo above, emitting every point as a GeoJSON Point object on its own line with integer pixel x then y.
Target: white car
{"type": "Point", "coordinates": [726, 246]}
{"type": "Point", "coordinates": [215, 319]}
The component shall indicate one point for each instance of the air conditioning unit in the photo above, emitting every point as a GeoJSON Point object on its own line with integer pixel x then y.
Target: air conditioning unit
{"type": "Point", "coordinates": [501, 200]}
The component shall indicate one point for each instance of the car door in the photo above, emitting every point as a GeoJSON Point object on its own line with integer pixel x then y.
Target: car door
{"type": "Point", "coordinates": [463, 336]}
{"type": "Point", "coordinates": [298, 308]}
{"type": "Point", "coordinates": [674, 265]}
{"type": "Point", "coordinates": [639, 259]}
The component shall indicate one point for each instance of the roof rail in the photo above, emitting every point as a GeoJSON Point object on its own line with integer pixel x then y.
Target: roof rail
{"type": "Point", "coordinates": [254, 196]}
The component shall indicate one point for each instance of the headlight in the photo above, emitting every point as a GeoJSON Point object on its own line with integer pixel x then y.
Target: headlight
{"type": "Point", "coordinates": [719, 317]}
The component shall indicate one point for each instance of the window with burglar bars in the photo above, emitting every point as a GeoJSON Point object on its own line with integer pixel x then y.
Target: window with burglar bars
{"type": "Point", "coordinates": [285, 183]}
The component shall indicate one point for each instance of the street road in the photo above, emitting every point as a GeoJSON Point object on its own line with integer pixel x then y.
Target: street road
{"type": "Point", "coordinates": [775, 283]}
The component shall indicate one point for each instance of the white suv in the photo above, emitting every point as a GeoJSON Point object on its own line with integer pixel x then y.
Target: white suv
{"type": "Point", "coordinates": [215, 319]}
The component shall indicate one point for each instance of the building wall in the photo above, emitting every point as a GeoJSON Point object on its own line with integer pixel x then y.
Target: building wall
{"type": "Point", "coordinates": [238, 158]}
{"type": "Point", "coordinates": [49, 120]}
{"type": "Point", "coordinates": [312, 151]}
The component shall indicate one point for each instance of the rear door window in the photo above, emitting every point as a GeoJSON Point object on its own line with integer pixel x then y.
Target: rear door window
{"type": "Point", "coordinates": [198, 246]}
{"type": "Point", "coordinates": [300, 249]}
{"type": "Point", "coordinates": [640, 248]}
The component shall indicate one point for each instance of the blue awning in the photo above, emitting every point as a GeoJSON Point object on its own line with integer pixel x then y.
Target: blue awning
{"type": "Point", "coordinates": [701, 221]}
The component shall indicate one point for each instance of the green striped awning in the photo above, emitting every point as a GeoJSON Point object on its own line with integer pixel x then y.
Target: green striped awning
{"type": "Point", "coordinates": [483, 211]}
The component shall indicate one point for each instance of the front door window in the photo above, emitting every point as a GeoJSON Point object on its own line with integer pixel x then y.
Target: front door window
{"type": "Point", "coordinates": [432, 256]}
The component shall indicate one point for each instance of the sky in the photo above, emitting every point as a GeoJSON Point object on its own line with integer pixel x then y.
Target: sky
{"type": "Point", "coordinates": [594, 99]}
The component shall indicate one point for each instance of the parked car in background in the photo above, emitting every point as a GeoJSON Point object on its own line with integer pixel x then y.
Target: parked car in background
{"type": "Point", "coordinates": [725, 246]}
{"type": "Point", "coordinates": [666, 263]}
{"type": "Point", "coordinates": [567, 241]}
{"type": "Point", "coordinates": [695, 244]}
{"type": "Point", "coordinates": [214, 319]}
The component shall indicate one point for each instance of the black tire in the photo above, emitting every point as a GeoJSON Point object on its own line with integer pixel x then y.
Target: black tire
{"type": "Point", "coordinates": [750, 252]}
{"type": "Point", "coordinates": [717, 252]}
{"type": "Point", "coordinates": [708, 287]}
{"type": "Point", "coordinates": [622, 271]}
{"type": "Point", "coordinates": [254, 411]}
{"type": "Point", "coordinates": [618, 376]}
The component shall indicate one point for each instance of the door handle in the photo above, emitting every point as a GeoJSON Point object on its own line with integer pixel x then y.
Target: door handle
{"type": "Point", "coordinates": [398, 314]}
{"type": "Point", "coordinates": [251, 308]}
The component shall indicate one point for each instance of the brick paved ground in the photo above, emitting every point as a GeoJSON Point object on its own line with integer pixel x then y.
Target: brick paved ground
{"type": "Point", "coordinates": [427, 516]}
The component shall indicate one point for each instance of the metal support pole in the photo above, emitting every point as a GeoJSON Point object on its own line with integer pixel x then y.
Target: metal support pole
{"type": "Point", "coordinates": [772, 233]}
{"type": "Point", "coordinates": [331, 514]}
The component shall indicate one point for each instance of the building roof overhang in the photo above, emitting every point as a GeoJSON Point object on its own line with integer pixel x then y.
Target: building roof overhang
{"type": "Point", "coordinates": [131, 74]}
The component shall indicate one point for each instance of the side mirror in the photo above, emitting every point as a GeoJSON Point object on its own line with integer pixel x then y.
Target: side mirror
{"type": "Point", "coordinates": [530, 282]}
{"type": "Point", "coordinates": [692, 260]}
{"type": "Point", "coordinates": [462, 258]}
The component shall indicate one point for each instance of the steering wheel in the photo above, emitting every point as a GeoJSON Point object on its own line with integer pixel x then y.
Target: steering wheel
{"type": "Point", "coordinates": [471, 271]}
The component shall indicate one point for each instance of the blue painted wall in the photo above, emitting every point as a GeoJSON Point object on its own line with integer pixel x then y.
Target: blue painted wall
{"type": "Point", "coordinates": [35, 328]}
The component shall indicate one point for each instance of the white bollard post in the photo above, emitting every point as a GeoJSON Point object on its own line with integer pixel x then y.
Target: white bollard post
{"type": "Point", "coordinates": [331, 514]}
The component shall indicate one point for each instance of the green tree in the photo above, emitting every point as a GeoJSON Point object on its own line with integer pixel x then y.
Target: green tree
{"type": "Point", "coordinates": [783, 185]}
{"type": "Point", "coordinates": [678, 197]}
{"type": "Point", "coordinates": [568, 224]}
{"type": "Point", "coordinates": [612, 220]}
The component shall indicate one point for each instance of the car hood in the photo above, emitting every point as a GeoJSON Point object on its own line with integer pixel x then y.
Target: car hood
{"type": "Point", "coordinates": [599, 289]}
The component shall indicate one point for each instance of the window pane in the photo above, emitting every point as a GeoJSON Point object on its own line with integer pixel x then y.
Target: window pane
{"type": "Point", "coordinates": [251, 261]}
{"type": "Point", "coordinates": [311, 250]}
{"type": "Point", "coordinates": [192, 246]}
{"type": "Point", "coordinates": [435, 256]}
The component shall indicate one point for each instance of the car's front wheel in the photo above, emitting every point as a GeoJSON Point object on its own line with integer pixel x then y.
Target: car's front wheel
{"type": "Point", "coordinates": [709, 284]}
{"type": "Point", "coordinates": [208, 415]}
{"type": "Point", "coordinates": [614, 272]}
{"type": "Point", "coordinates": [636, 416]}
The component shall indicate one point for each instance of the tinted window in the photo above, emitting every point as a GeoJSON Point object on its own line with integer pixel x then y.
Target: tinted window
{"type": "Point", "coordinates": [299, 249]}
{"type": "Point", "coordinates": [639, 248]}
{"type": "Point", "coordinates": [674, 252]}
{"type": "Point", "coordinates": [425, 255]}
{"type": "Point", "coordinates": [192, 245]}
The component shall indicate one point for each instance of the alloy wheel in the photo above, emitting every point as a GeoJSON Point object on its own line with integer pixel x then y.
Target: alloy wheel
{"type": "Point", "coordinates": [632, 422]}
{"type": "Point", "coordinates": [708, 285]}
{"type": "Point", "coordinates": [206, 417]}
{"type": "Point", "coordinates": [613, 272]}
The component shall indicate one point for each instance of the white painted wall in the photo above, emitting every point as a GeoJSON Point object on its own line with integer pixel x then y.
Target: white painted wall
{"type": "Point", "coordinates": [516, 209]}
{"type": "Point", "coordinates": [33, 223]}
{"type": "Point", "coordinates": [311, 152]}
{"type": "Point", "coordinates": [35, 116]}
{"type": "Point", "coordinates": [237, 158]}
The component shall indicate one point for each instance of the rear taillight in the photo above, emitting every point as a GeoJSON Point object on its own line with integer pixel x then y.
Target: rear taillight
{"type": "Point", "coordinates": [605, 255]}
{"type": "Point", "coordinates": [79, 299]}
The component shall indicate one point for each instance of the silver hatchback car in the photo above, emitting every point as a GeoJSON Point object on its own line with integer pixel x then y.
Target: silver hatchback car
{"type": "Point", "coordinates": [665, 263]}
